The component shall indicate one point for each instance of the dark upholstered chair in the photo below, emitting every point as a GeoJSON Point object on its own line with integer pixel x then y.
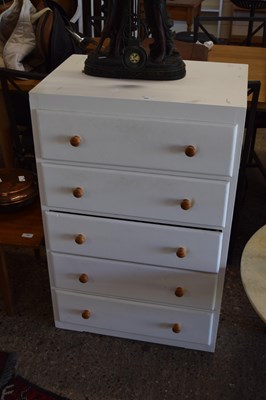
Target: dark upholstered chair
{"type": "Point", "coordinates": [15, 92]}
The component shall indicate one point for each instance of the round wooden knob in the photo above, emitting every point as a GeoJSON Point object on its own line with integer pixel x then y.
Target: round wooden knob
{"type": "Point", "coordinates": [83, 278]}
{"type": "Point", "coordinates": [80, 239]}
{"type": "Point", "coordinates": [179, 292]}
{"type": "Point", "coordinates": [86, 314]}
{"type": "Point", "coordinates": [176, 328]}
{"type": "Point", "coordinates": [75, 141]}
{"type": "Point", "coordinates": [190, 151]}
{"type": "Point", "coordinates": [186, 204]}
{"type": "Point", "coordinates": [181, 252]}
{"type": "Point", "coordinates": [78, 192]}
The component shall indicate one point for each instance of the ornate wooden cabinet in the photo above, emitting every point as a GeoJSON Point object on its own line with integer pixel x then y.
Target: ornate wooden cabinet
{"type": "Point", "coordinates": [137, 182]}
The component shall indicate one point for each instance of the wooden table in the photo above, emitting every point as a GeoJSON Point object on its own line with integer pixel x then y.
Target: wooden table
{"type": "Point", "coordinates": [22, 227]}
{"type": "Point", "coordinates": [253, 271]}
{"type": "Point", "coordinates": [255, 57]}
{"type": "Point", "coordinates": [184, 10]}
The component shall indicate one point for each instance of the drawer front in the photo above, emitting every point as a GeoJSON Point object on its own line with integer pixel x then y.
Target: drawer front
{"type": "Point", "coordinates": [134, 281]}
{"type": "Point", "coordinates": [137, 143]}
{"type": "Point", "coordinates": [133, 317]}
{"type": "Point", "coordinates": [144, 243]}
{"type": "Point", "coordinates": [136, 195]}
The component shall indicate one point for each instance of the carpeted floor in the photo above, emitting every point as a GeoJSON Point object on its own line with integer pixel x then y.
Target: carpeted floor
{"type": "Point", "coordinates": [15, 387]}
{"type": "Point", "coordinates": [84, 366]}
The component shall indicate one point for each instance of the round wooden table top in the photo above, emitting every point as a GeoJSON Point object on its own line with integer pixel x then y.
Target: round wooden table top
{"type": "Point", "coordinates": [253, 271]}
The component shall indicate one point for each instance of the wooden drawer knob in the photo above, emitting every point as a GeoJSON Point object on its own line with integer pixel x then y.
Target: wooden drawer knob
{"type": "Point", "coordinates": [75, 141]}
{"type": "Point", "coordinates": [86, 314]}
{"type": "Point", "coordinates": [181, 252]}
{"type": "Point", "coordinates": [179, 292]}
{"type": "Point", "coordinates": [80, 239]}
{"type": "Point", "coordinates": [190, 151]}
{"type": "Point", "coordinates": [78, 192]}
{"type": "Point", "coordinates": [83, 278]}
{"type": "Point", "coordinates": [186, 204]}
{"type": "Point", "coordinates": [176, 328]}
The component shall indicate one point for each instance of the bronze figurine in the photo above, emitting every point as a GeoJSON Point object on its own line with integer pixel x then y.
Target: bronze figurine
{"type": "Point", "coordinates": [126, 56]}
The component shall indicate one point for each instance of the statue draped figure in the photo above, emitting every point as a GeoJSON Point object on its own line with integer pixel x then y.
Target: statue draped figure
{"type": "Point", "coordinates": [127, 24]}
{"type": "Point", "coordinates": [159, 26]}
{"type": "Point", "coordinates": [118, 19]}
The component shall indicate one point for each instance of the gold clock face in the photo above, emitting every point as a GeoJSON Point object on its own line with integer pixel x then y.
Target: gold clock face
{"type": "Point", "coordinates": [134, 58]}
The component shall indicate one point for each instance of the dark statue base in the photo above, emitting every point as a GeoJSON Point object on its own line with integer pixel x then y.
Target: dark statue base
{"type": "Point", "coordinates": [172, 68]}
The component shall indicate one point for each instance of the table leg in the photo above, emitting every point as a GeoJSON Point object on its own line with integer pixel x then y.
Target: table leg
{"type": "Point", "coordinates": [189, 20]}
{"type": "Point", "coordinates": [4, 284]}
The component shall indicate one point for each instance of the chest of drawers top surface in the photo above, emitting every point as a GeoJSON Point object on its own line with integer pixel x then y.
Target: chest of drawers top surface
{"type": "Point", "coordinates": [206, 84]}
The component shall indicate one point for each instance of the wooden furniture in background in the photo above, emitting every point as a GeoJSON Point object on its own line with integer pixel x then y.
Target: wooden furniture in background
{"type": "Point", "coordinates": [202, 26]}
{"type": "Point", "coordinates": [238, 31]}
{"type": "Point", "coordinates": [254, 57]}
{"type": "Point", "coordinates": [184, 10]}
{"type": "Point", "coordinates": [21, 227]}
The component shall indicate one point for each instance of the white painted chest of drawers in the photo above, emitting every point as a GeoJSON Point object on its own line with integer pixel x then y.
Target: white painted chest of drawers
{"type": "Point", "coordinates": [137, 182]}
